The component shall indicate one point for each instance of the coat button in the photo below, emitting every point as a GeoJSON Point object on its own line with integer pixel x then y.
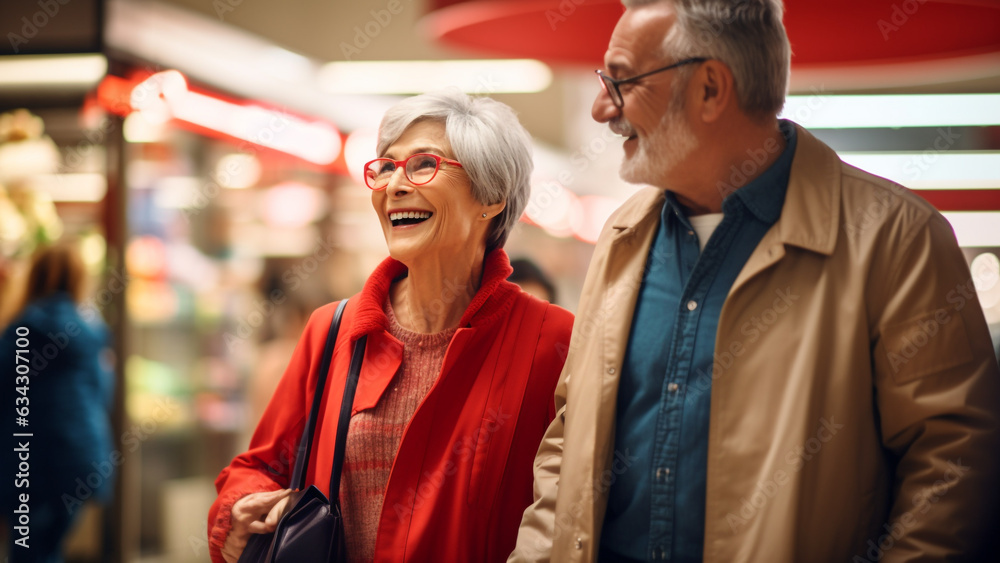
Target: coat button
{"type": "Point", "coordinates": [672, 387]}
{"type": "Point", "coordinates": [579, 543]}
{"type": "Point", "coordinates": [611, 371]}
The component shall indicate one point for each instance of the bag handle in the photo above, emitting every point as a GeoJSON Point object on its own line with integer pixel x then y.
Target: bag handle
{"type": "Point", "coordinates": [305, 444]}
{"type": "Point", "coordinates": [346, 406]}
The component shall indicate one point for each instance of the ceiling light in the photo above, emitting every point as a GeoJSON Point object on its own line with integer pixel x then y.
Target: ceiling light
{"type": "Point", "coordinates": [932, 169]}
{"type": "Point", "coordinates": [975, 228]}
{"type": "Point", "coordinates": [416, 77]}
{"type": "Point", "coordinates": [822, 111]}
{"type": "Point", "coordinates": [52, 70]}
{"type": "Point", "coordinates": [167, 93]}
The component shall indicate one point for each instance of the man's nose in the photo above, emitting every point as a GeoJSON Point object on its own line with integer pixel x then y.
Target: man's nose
{"type": "Point", "coordinates": [604, 109]}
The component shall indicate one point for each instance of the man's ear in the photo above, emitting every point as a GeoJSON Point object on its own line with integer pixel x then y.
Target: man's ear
{"type": "Point", "coordinates": [715, 89]}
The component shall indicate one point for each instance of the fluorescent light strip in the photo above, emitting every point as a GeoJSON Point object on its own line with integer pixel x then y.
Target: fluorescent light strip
{"type": "Point", "coordinates": [315, 142]}
{"type": "Point", "coordinates": [932, 170]}
{"type": "Point", "coordinates": [975, 228]}
{"type": "Point", "coordinates": [823, 111]}
{"type": "Point", "coordinates": [51, 70]}
{"type": "Point", "coordinates": [416, 77]}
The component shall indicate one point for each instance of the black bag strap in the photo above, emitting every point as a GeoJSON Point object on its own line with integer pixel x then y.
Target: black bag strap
{"type": "Point", "coordinates": [345, 415]}
{"type": "Point", "coordinates": [305, 444]}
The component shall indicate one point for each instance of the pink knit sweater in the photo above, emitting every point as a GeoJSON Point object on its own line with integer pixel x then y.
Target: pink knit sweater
{"type": "Point", "coordinates": [374, 435]}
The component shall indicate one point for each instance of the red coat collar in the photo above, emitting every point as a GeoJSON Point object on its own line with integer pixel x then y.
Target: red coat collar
{"type": "Point", "coordinates": [493, 299]}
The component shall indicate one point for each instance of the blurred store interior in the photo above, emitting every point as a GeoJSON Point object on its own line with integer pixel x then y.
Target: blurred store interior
{"type": "Point", "coordinates": [207, 154]}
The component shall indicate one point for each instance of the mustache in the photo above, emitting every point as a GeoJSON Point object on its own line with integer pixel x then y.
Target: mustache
{"type": "Point", "coordinates": [621, 126]}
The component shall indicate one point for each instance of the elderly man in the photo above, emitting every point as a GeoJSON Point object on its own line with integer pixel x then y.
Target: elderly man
{"type": "Point", "coordinates": [777, 357]}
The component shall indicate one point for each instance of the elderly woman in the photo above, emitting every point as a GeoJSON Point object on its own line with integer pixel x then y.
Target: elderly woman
{"type": "Point", "coordinates": [456, 387]}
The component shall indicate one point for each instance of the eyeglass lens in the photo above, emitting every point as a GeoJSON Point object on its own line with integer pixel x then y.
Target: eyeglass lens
{"type": "Point", "coordinates": [420, 169]}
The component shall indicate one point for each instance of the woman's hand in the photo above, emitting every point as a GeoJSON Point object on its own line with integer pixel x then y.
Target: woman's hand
{"type": "Point", "coordinates": [256, 513]}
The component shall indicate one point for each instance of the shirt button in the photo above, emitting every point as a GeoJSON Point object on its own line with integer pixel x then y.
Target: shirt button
{"type": "Point", "coordinates": [673, 387]}
{"type": "Point", "coordinates": [690, 232]}
{"type": "Point", "coordinates": [662, 473]}
{"type": "Point", "coordinates": [692, 305]}
{"type": "Point", "coordinates": [611, 371]}
{"type": "Point", "coordinates": [579, 543]}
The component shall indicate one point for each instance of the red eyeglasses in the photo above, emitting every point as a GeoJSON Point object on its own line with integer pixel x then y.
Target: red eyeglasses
{"type": "Point", "coordinates": [419, 168]}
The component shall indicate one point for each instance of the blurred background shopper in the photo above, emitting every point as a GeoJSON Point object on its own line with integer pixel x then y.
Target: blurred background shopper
{"type": "Point", "coordinates": [68, 395]}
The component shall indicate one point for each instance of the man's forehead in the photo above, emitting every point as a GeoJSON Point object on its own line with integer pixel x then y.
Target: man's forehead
{"type": "Point", "coordinates": [639, 34]}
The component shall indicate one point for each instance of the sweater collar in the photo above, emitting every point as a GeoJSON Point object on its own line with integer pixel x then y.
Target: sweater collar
{"type": "Point", "coordinates": [493, 298]}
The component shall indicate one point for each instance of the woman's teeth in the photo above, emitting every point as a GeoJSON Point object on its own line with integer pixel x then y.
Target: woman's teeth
{"type": "Point", "coordinates": [397, 215]}
{"type": "Point", "coordinates": [398, 218]}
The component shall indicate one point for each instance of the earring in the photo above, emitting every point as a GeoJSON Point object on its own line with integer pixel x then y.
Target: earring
{"type": "Point", "coordinates": [484, 215]}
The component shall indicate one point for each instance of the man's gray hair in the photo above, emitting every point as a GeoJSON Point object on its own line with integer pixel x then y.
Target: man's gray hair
{"type": "Point", "coordinates": [489, 141]}
{"type": "Point", "coordinates": [747, 35]}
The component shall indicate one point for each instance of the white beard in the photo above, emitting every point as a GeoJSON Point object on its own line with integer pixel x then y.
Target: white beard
{"type": "Point", "coordinates": [660, 151]}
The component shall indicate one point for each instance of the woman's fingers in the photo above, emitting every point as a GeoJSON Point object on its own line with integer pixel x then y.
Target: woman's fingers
{"type": "Point", "coordinates": [277, 511]}
{"type": "Point", "coordinates": [249, 516]}
{"type": "Point", "coordinates": [255, 507]}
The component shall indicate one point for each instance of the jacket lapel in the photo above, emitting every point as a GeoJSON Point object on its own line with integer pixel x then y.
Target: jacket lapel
{"type": "Point", "coordinates": [625, 266]}
{"type": "Point", "coordinates": [808, 220]}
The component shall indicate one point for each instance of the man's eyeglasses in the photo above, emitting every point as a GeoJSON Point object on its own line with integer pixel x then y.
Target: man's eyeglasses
{"type": "Point", "coordinates": [611, 85]}
{"type": "Point", "coordinates": [419, 168]}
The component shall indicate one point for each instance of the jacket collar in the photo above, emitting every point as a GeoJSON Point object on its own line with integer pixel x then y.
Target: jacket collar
{"type": "Point", "coordinates": [493, 298]}
{"type": "Point", "coordinates": [810, 216]}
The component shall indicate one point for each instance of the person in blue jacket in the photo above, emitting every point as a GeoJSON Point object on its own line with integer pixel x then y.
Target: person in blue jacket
{"type": "Point", "coordinates": [55, 398]}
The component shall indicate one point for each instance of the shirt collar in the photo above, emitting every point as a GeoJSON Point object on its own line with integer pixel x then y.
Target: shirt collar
{"type": "Point", "coordinates": [765, 195]}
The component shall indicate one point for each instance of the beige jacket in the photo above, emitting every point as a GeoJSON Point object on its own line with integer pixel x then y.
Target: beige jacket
{"type": "Point", "coordinates": [855, 392]}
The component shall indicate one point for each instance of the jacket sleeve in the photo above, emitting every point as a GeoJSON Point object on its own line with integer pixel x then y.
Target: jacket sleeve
{"type": "Point", "coordinates": [267, 465]}
{"type": "Point", "coordinates": [539, 529]}
{"type": "Point", "coordinates": [937, 390]}
{"type": "Point", "coordinates": [534, 538]}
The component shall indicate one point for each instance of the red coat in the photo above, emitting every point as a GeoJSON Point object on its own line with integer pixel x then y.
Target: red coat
{"type": "Point", "coordinates": [463, 473]}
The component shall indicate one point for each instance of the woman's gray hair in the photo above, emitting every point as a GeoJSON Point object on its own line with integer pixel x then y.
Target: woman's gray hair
{"type": "Point", "coordinates": [747, 35]}
{"type": "Point", "coordinates": [489, 141]}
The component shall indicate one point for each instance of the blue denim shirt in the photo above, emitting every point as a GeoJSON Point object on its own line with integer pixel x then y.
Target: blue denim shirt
{"type": "Point", "coordinates": [656, 510]}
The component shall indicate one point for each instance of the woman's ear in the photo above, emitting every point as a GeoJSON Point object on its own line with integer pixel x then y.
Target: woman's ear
{"type": "Point", "coordinates": [491, 211]}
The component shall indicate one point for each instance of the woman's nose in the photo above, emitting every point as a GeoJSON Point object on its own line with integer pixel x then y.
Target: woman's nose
{"type": "Point", "coordinates": [398, 184]}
